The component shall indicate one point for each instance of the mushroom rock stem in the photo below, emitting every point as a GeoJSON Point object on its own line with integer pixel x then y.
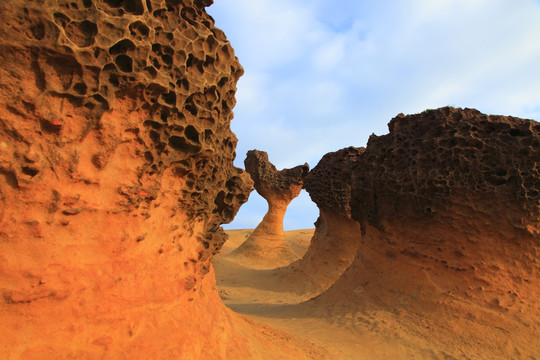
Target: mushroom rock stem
{"type": "Point", "coordinates": [272, 222]}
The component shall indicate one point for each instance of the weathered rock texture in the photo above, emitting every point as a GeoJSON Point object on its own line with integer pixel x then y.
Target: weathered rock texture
{"type": "Point", "coordinates": [266, 246]}
{"type": "Point", "coordinates": [448, 203]}
{"type": "Point", "coordinates": [115, 174]}
{"type": "Point", "coordinates": [335, 242]}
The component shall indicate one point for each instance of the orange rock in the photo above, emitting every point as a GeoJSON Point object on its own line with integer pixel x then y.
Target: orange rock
{"type": "Point", "coordinates": [99, 100]}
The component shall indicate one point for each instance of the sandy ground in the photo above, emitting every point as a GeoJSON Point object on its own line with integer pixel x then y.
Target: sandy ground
{"type": "Point", "coordinates": [276, 297]}
{"type": "Point", "coordinates": [266, 297]}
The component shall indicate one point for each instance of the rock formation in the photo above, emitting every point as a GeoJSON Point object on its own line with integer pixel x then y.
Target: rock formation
{"type": "Point", "coordinates": [337, 235]}
{"type": "Point", "coordinates": [448, 203]}
{"type": "Point", "coordinates": [266, 246]}
{"type": "Point", "coordinates": [115, 175]}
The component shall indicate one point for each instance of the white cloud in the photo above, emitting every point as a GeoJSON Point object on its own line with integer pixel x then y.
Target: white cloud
{"type": "Point", "coordinates": [268, 33]}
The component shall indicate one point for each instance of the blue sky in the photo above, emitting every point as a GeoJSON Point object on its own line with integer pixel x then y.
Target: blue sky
{"type": "Point", "coordinates": [323, 75]}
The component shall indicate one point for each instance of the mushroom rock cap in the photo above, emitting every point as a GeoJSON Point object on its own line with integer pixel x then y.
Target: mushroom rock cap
{"type": "Point", "coordinates": [269, 181]}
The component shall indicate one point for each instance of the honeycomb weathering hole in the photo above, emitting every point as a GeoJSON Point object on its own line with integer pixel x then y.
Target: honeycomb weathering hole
{"type": "Point", "coordinates": [180, 144]}
{"type": "Point", "coordinates": [192, 134]}
{"type": "Point", "coordinates": [122, 47]}
{"type": "Point", "coordinates": [124, 62]}
{"type": "Point", "coordinates": [134, 7]}
{"type": "Point", "coordinates": [140, 27]}
{"type": "Point", "coordinates": [82, 33]}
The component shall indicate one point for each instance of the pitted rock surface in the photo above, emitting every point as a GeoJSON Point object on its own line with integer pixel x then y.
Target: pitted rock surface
{"type": "Point", "coordinates": [268, 181]}
{"type": "Point", "coordinates": [429, 158]}
{"type": "Point", "coordinates": [78, 60]}
{"type": "Point", "coordinates": [329, 183]}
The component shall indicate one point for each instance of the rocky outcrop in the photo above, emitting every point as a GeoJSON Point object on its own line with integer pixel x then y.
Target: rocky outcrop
{"type": "Point", "coordinates": [115, 175]}
{"type": "Point", "coordinates": [429, 162]}
{"type": "Point", "coordinates": [337, 235]}
{"type": "Point", "coordinates": [266, 246]}
{"type": "Point", "coordinates": [166, 66]}
{"type": "Point", "coordinates": [448, 203]}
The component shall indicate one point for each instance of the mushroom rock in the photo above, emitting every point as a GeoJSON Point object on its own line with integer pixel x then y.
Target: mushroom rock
{"type": "Point", "coordinates": [115, 175]}
{"type": "Point", "coordinates": [266, 246]}
{"type": "Point", "coordinates": [448, 203]}
{"type": "Point", "coordinates": [336, 238]}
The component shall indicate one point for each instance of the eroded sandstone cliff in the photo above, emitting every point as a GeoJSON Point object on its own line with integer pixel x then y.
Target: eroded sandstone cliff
{"type": "Point", "coordinates": [448, 203]}
{"type": "Point", "coordinates": [115, 175]}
